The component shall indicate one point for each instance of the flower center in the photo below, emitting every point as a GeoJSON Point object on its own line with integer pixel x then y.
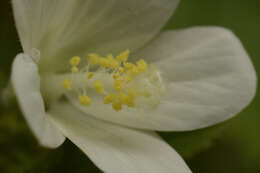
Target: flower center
{"type": "Point", "coordinates": [114, 79]}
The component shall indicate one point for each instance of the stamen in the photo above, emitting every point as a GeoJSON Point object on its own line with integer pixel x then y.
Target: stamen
{"type": "Point", "coordinates": [109, 98]}
{"type": "Point", "coordinates": [130, 81]}
{"type": "Point", "coordinates": [98, 85]}
{"type": "Point", "coordinates": [123, 57]}
{"type": "Point", "coordinates": [133, 71]}
{"type": "Point", "coordinates": [66, 84]}
{"type": "Point", "coordinates": [129, 65]}
{"type": "Point", "coordinates": [123, 98]}
{"type": "Point", "coordinates": [90, 75]}
{"type": "Point", "coordinates": [118, 84]}
{"type": "Point", "coordinates": [132, 93]}
{"type": "Point", "coordinates": [84, 100]}
{"type": "Point", "coordinates": [74, 61]}
{"type": "Point", "coordinates": [116, 76]}
{"type": "Point", "coordinates": [74, 69]}
{"type": "Point", "coordinates": [113, 63]}
{"type": "Point", "coordinates": [117, 106]}
{"type": "Point", "coordinates": [142, 65]}
{"type": "Point", "coordinates": [93, 59]}
{"type": "Point", "coordinates": [121, 70]}
{"type": "Point", "coordinates": [104, 62]}
{"type": "Point", "coordinates": [127, 78]}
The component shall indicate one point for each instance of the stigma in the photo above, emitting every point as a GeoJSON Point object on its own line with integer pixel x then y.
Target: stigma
{"type": "Point", "coordinates": [113, 79]}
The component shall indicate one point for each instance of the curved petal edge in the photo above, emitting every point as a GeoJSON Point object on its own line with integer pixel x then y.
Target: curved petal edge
{"type": "Point", "coordinates": [116, 149]}
{"type": "Point", "coordinates": [26, 83]}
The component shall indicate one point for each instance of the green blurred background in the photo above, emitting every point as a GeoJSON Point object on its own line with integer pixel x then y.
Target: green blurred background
{"type": "Point", "coordinates": [230, 147]}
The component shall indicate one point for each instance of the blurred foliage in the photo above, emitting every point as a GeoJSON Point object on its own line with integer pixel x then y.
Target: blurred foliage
{"type": "Point", "coordinates": [236, 143]}
{"type": "Point", "coordinates": [19, 152]}
{"type": "Point", "coordinates": [9, 42]}
{"type": "Point", "coordinates": [191, 143]}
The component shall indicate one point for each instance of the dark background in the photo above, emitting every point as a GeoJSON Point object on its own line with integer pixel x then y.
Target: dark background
{"type": "Point", "coordinates": [230, 147]}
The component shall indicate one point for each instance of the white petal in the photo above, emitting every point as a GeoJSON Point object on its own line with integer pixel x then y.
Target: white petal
{"type": "Point", "coordinates": [116, 149]}
{"type": "Point", "coordinates": [26, 84]}
{"type": "Point", "coordinates": [209, 78]}
{"type": "Point", "coordinates": [64, 28]}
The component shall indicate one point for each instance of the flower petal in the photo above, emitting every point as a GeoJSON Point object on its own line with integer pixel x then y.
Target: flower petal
{"type": "Point", "coordinates": [26, 84]}
{"type": "Point", "coordinates": [114, 148]}
{"type": "Point", "coordinates": [64, 28]}
{"type": "Point", "coordinates": [209, 78]}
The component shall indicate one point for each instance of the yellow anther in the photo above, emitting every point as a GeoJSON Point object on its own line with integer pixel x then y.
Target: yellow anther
{"type": "Point", "coordinates": [103, 62]}
{"type": "Point", "coordinates": [90, 75]}
{"type": "Point", "coordinates": [113, 63]}
{"type": "Point", "coordinates": [132, 93]}
{"type": "Point", "coordinates": [131, 98]}
{"type": "Point", "coordinates": [109, 98]}
{"type": "Point", "coordinates": [74, 69]}
{"type": "Point", "coordinates": [117, 106]}
{"type": "Point", "coordinates": [142, 65]}
{"type": "Point", "coordinates": [84, 100]}
{"type": "Point", "coordinates": [118, 84]}
{"type": "Point", "coordinates": [123, 57]}
{"type": "Point", "coordinates": [74, 61]}
{"type": "Point", "coordinates": [116, 76]}
{"type": "Point", "coordinates": [121, 70]}
{"type": "Point", "coordinates": [123, 98]}
{"type": "Point", "coordinates": [127, 78]}
{"type": "Point", "coordinates": [129, 65]}
{"type": "Point", "coordinates": [126, 99]}
{"type": "Point", "coordinates": [98, 85]}
{"type": "Point", "coordinates": [130, 102]}
{"type": "Point", "coordinates": [66, 84]}
{"type": "Point", "coordinates": [93, 59]}
{"type": "Point", "coordinates": [133, 71]}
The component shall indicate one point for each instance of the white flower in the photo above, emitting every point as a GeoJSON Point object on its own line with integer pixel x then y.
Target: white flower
{"type": "Point", "coordinates": [198, 77]}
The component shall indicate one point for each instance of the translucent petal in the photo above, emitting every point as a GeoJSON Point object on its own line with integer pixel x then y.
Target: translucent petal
{"type": "Point", "coordinates": [114, 148]}
{"type": "Point", "coordinates": [26, 84]}
{"type": "Point", "coordinates": [64, 28]}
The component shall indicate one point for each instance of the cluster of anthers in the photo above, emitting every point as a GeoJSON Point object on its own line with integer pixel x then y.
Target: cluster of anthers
{"type": "Point", "coordinates": [122, 73]}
